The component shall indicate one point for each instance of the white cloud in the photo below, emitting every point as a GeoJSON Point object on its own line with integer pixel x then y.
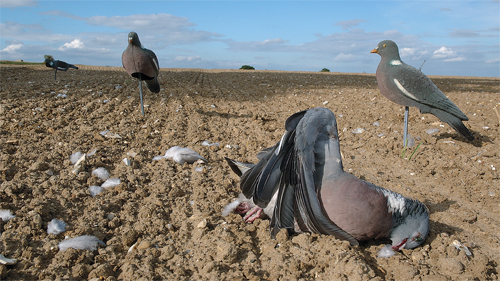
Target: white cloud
{"type": "Point", "coordinates": [447, 54]}
{"type": "Point", "coordinates": [407, 51]}
{"type": "Point", "coordinates": [12, 48]}
{"type": "Point", "coordinates": [17, 3]}
{"type": "Point", "coordinates": [348, 24]}
{"type": "Point", "coordinates": [344, 57]}
{"type": "Point", "coordinates": [497, 60]}
{"type": "Point", "coordinates": [75, 44]}
{"type": "Point", "coordinates": [187, 58]}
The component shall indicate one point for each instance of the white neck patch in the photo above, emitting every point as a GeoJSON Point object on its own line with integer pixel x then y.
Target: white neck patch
{"type": "Point", "coordinates": [395, 62]}
{"type": "Point", "coordinates": [408, 94]}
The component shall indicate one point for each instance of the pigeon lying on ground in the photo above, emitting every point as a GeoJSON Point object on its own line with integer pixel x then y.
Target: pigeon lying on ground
{"type": "Point", "coordinates": [142, 64]}
{"type": "Point", "coordinates": [405, 85]}
{"type": "Point", "coordinates": [301, 185]}
{"type": "Point", "coordinates": [58, 65]}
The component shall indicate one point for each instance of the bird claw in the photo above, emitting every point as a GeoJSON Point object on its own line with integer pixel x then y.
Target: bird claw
{"type": "Point", "coordinates": [253, 214]}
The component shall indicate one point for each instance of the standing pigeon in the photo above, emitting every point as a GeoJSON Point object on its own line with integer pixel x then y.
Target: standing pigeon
{"type": "Point", "coordinates": [405, 85]}
{"type": "Point", "coordinates": [142, 64]}
{"type": "Point", "coordinates": [58, 65]}
{"type": "Point", "coordinates": [301, 184]}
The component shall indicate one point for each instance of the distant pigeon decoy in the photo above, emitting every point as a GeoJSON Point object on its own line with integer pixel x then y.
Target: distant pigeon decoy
{"type": "Point", "coordinates": [301, 185]}
{"type": "Point", "coordinates": [58, 65]}
{"type": "Point", "coordinates": [405, 85]}
{"type": "Point", "coordinates": [142, 64]}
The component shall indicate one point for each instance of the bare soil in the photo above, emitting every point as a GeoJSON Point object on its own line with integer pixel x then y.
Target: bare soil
{"type": "Point", "coordinates": [172, 212]}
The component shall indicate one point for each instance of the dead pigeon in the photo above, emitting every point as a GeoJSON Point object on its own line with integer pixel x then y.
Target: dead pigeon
{"type": "Point", "coordinates": [142, 64]}
{"type": "Point", "coordinates": [58, 65]}
{"type": "Point", "coordinates": [301, 185]}
{"type": "Point", "coordinates": [405, 85]}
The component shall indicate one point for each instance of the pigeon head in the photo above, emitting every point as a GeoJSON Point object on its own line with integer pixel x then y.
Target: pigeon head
{"type": "Point", "coordinates": [387, 49]}
{"type": "Point", "coordinates": [134, 38]}
{"type": "Point", "coordinates": [412, 225]}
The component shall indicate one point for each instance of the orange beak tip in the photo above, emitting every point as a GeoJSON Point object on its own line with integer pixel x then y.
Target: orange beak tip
{"type": "Point", "coordinates": [374, 51]}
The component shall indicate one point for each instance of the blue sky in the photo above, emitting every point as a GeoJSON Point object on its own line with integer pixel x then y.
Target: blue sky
{"type": "Point", "coordinates": [454, 37]}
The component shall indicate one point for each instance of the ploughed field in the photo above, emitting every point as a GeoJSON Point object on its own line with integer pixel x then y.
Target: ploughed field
{"type": "Point", "coordinates": [172, 212]}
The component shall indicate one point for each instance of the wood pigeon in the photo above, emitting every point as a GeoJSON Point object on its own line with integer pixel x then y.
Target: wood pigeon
{"type": "Point", "coordinates": [301, 185]}
{"type": "Point", "coordinates": [405, 85]}
{"type": "Point", "coordinates": [58, 65]}
{"type": "Point", "coordinates": [142, 64]}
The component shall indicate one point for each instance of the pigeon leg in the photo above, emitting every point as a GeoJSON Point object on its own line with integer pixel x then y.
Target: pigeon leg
{"type": "Point", "coordinates": [55, 75]}
{"type": "Point", "coordinates": [405, 131]}
{"type": "Point", "coordinates": [242, 208]}
{"type": "Point", "coordinates": [140, 93]}
{"type": "Point", "coordinates": [253, 214]}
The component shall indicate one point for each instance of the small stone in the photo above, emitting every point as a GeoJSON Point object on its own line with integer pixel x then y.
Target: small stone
{"type": "Point", "coordinates": [202, 224]}
{"type": "Point", "coordinates": [144, 244]}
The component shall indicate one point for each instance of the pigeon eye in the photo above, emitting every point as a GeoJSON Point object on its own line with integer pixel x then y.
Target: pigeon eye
{"type": "Point", "coordinates": [384, 45]}
{"type": "Point", "coordinates": [418, 238]}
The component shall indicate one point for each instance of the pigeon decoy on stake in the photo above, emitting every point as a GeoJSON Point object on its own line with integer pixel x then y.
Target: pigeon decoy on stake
{"type": "Point", "coordinates": [405, 85]}
{"type": "Point", "coordinates": [301, 185]}
{"type": "Point", "coordinates": [58, 65]}
{"type": "Point", "coordinates": [142, 64]}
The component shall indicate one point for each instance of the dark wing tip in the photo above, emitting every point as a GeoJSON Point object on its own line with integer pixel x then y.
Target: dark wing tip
{"type": "Point", "coordinates": [233, 166]}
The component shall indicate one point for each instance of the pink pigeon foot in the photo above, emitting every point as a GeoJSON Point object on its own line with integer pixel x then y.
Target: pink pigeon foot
{"type": "Point", "coordinates": [253, 214]}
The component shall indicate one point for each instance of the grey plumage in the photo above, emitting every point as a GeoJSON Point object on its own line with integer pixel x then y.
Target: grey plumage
{"type": "Point", "coordinates": [405, 85]}
{"type": "Point", "coordinates": [141, 63]}
{"type": "Point", "coordinates": [58, 65]}
{"type": "Point", "coordinates": [303, 187]}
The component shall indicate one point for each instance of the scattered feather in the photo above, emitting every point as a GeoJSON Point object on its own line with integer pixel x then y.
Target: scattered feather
{"type": "Point", "coordinates": [80, 164]}
{"type": "Point", "coordinates": [101, 173]}
{"type": "Point", "coordinates": [198, 169]}
{"type": "Point", "coordinates": [104, 132]}
{"type": "Point", "coordinates": [358, 131]}
{"type": "Point", "coordinates": [85, 242]}
{"type": "Point", "coordinates": [432, 131]}
{"type": "Point", "coordinates": [75, 157]}
{"type": "Point", "coordinates": [92, 152]}
{"type": "Point", "coordinates": [386, 252]}
{"type": "Point", "coordinates": [376, 124]}
{"type": "Point", "coordinates": [182, 155]}
{"type": "Point", "coordinates": [6, 215]}
{"type": "Point", "coordinates": [56, 226]}
{"type": "Point", "coordinates": [460, 246]}
{"type": "Point", "coordinates": [110, 135]}
{"type": "Point", "coordinates": [6, 261]}
{"type": "Point", "coordinates": [126, 161]}
{"type": "Point", "coordinates": [132, 247]}
{"type": "Point", "coordinates": [156, 158]}
{"type": "Point", "coordinates": [111, 183]}
{"type": "Point", "coordinates": [94, 190]}
{"type": "Point", "coordinates": [207, 143]}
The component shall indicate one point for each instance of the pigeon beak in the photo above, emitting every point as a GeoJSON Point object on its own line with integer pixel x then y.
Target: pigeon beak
{"type": "Point", "coordinates": [130, 40]}
{"type": "Point", "coordinates": [374, 51]}
{"type": "Point", "coordinates": [400, 246]}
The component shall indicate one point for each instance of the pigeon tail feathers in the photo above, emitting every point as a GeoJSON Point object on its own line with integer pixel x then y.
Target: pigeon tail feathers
{"type": "Point", "coordinates": [454, 122]}
{"type": "Point", "coordinates": [153, 85]}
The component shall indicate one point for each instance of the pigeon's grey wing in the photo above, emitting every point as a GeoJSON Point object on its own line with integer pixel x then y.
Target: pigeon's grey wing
{"type": "Point", "coordinates": [238, 167]}
{"type": "Point", "coordinates": [61, 65]}
{"type": "Point", "coordinates": [301, 184]}
{"type": "Point", "coordinates": [153, 57]}
{"type": "Point", "coordinates": [417, 86]}
{"type": "Point", "coordinates": [262, 180]}
{"type": "Point", "coordinates": [264, 152]}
